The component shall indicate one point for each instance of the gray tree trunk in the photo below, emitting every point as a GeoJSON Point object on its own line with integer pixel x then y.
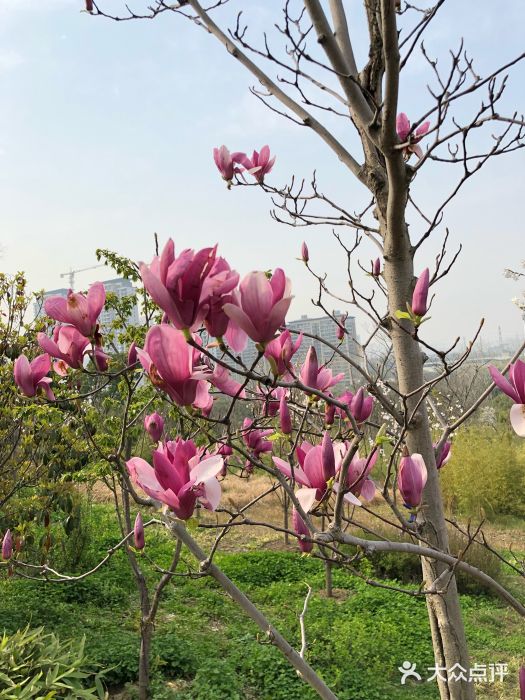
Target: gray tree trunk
{"type": "Point", "coordinates": [448, 633]}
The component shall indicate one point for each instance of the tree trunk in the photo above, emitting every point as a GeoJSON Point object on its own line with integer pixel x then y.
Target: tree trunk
{"type": "Point", "coordinates": [286, 503]}
{"type": "Point", "coordinates": [448, 634]}
{"type": "Point", "coordinates": [329, 588]}
{"type": "Point", "coordinates": [146, 631]}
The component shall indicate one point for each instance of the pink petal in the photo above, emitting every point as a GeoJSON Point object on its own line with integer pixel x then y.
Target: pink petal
{"type": "Point", "coordinates": [313, 468]}
{"type": "Point", "coordinates": [24, 376]}
{"type": "Point", "coordinates": [40, 366]}
{"type": "Point", "coordinates": [241, 320]}
{"type": "Point", "coordinates": [422, 130]}
{"type": "Point", "coordinates": [223, 380]}
{"type": "Point", "coordinates": [256, 297]}
{"type": "Point", "coordinates": [368, 490]}
{"type": "Point", "coordinates": [286, 469]}
{"type": "Point", "coordinates": [502, 383]}
{"type": "Point", "coordinates": [306, 498]}
{"type": "Point", "coordinates": [96, 298]}
{"type": "Point", "coordinates": [213, 493]}
{"type": "Point", "coordinates": [207, 469]}
{"type": "Point", "coordinates": [236, 337]}
{"type": "Point", "coordinates": [160, 295]}
{"type": "Point", "coordinates": [402, 126]}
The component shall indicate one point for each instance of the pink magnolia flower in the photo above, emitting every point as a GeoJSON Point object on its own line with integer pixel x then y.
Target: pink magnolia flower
{"type": "Point", "coordinates": [179, 477]}
{"type": "Point", "coordinates": [360, 405]}
{"type": "Point", "coordinates": [357, 480]}
{"type": "Point", "coordinates": [138, 533]}
{"type": "Point", "coordinates": [180, 285]}
{"type": "Point", "coordinates": [172, 365]}
{"type": "Point", "coordinates": [254, 438]}
{"type": "Point", "coordinates": [154, 425]}
{"type": "Point", "coordinates": [225, 162]}
{"type": "Point", "coordinates": [317, 466]}
{"type": "Point", "coordinates": [30, 377]}
{"type": "Point", "coordinates": [7, 546]}
{"type": "Point", "coordinates": [68, 345]}
{"type": "Point", "coordinates": [444, 455]}
{"type": "Point", "coordinates": [302, 530]}
{"type": "Point", "coordinates": [403, 132]}
{"type": "Point", "coordinates": [260, 164]}
{"type": "Point", "coordinates": [420, 294]}
{"type": "Point", "coordinates": [411, 479]}
{"type": "Point", "coordinates": [515, 389]}
{"type": "Point", "coordinates": [376, 267]}
{"type": "Point", "coordinates": [279, 352]}
{"type": "Point", "coordinates": [261, 305]}
{"type": "Point", "coordinates": [315, 377]}
{"type": "Point", "coordinates": [79, 310]}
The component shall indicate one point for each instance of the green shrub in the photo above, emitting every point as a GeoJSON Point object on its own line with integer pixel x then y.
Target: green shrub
{"type": "Point", "coordinates": [486, 474]}
{"type": "Point", "coordinates": [34, 664]}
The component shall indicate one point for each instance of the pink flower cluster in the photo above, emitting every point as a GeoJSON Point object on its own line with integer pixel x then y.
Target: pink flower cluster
{"type": "Point", "coordinates": [74, 337]}
{"type": "Point", "coordinates": [259, 165]}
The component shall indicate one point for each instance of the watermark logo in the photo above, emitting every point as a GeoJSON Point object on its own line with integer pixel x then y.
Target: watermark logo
{"type": "Point", "coordinates": [477, 673]}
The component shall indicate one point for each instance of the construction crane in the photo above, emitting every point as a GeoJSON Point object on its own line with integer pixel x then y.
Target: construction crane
{"type": "Point", "coordinates": [71, 274]}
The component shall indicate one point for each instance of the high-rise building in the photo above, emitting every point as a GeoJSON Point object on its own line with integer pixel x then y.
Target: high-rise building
{"type": "Point", "coordinates": [120, 286]}
{"type": "Point", "coordinates": [324, 328]}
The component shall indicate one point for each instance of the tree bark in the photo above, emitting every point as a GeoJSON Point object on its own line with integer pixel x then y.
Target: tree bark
{"type": "Point", "coordinates": [448, 634]}
{"type": "Point", "coordinates": [146, 631]}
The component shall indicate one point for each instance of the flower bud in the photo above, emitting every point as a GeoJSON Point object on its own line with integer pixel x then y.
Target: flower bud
{"type": "Point", "coordinates": [376, 267]}
{"type": "Point", "coordinates": [132, 354]}
{"type": "Point", "coordinates": [411, 479]}
{"type": "Point", "coordinates": [285, 419]}
{"type": "Point", "coordinates": [341, 327]}
{"type": "Point", "coordinates": [420, 294]}
{"type": "Point", "coordinates": [7, 546]}
{"type": "Point", "coordinates": [304, 253]}
{"type": "Point", "coordinates": [138, 532]}
{"type": "Point", "coordinates": [154, 425]}
{"type": "Point", "coordinates": [300, 528]}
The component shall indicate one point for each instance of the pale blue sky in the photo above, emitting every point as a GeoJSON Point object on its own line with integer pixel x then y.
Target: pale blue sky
{"type": "Point", "coordinates": [106, 134]}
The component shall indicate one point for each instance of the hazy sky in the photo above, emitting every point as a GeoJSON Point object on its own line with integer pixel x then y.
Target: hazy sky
{"type": "Point", "coordinates": [107, 130]}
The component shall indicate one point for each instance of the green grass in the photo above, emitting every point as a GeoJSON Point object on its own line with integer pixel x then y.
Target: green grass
{"type": "Point", "coordinates": [205, 648]}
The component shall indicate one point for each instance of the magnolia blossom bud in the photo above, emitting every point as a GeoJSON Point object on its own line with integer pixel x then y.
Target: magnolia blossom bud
{"type": "Point", "coordinates": [376, 267]}
{"type": "Point", "coordinates": [411, 479]}
{"type": "Point", "coordinates": [285, 419]}
{"type": "Point", "coordinates": [7, 546]}
{"type": "Point", "coordinates": [138, 532]}
{"type": "Point", "coordinates": [444, 455]}
{"type": "Point", "coordinates": [522, 682]}
{"type": "Point", "coordinates": [327, 457]}
{"type": "Point", "coordinates": [341, 326]}
{"type": "Point", "coordinates": [154, 425]}
{"type": "Point", "coordinates": [420, 294]}
{"type": "Point", "coordinates": [304, 253]}
{"type": "Point", "coordinates": [132, 354]}
{"type": "Point", "coordinates": [301, 529]}
{"type": "Point", "coordinates": [329, 413]}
